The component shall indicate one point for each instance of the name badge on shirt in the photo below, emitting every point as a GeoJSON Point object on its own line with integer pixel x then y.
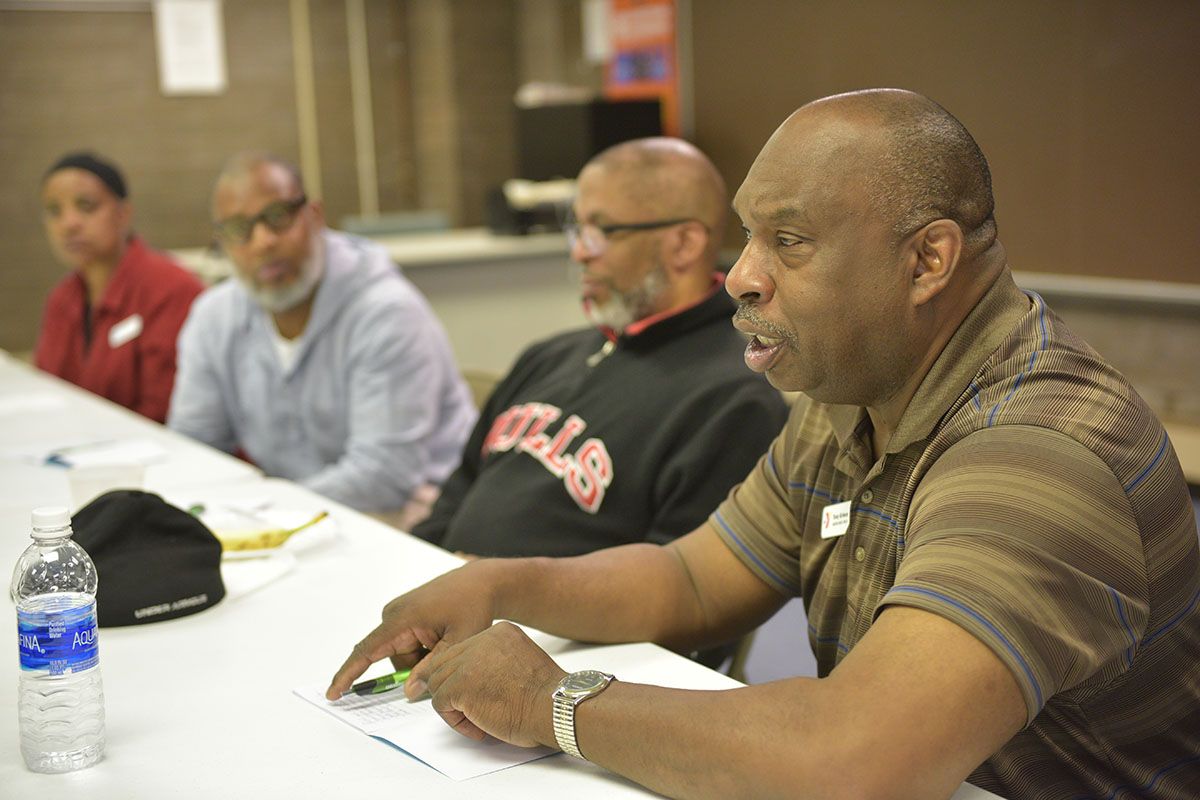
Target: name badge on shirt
{"type": "Point", "coordinates": [124, 331]}
{"type": "Point", "coordinates": [835, 520]}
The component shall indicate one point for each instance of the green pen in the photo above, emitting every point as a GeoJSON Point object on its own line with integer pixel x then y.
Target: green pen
{"type": "Point", "coordinates": [381, 684]}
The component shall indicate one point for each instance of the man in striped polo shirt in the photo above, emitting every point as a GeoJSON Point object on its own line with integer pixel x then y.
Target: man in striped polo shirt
{"type": "Point", "coordinates": [989, 528]}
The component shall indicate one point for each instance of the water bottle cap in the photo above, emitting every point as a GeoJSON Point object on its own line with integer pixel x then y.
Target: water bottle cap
{"type": "Point", "coordinates": [49, 522]}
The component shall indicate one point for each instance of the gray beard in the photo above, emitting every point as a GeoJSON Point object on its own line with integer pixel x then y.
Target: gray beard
{"type": "Point", "coordinates": [625, 308]}
{"type": "Point", "coordinates": [285, 298]}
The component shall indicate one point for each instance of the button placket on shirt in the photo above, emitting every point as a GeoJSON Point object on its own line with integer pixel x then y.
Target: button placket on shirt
{"type": "Point", "coordinates": [855, 553]}
{"type": "Point", "coordinates": [864, 499]}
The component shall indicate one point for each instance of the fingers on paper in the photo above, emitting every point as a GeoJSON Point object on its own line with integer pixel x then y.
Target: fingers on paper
{"type": "Point", "coordinates": [404, 649]}
{"type": "Point", "coordinates": [418, 681]}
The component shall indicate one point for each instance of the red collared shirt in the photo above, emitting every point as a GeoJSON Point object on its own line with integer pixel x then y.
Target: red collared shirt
{"type": "Point", "coordinates": [131, 355]}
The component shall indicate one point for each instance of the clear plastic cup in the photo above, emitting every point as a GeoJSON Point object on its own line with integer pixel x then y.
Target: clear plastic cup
{"type": "Point", "coordinates": [89, 482]}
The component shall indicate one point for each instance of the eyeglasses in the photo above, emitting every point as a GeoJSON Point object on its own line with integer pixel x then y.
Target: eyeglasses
{"type": "Point", "coordinates": [595, 237]}
{"type": "Point", "coordinates": [278, 217]}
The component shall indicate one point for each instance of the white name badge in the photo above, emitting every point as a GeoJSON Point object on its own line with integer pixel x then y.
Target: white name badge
{"type": "Point", "coordinates": [124, 331]}
{"type": "Point", "coordinates": [835, 520]}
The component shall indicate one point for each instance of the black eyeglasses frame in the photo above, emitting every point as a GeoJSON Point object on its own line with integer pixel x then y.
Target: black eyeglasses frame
{"type": "Point", "coordinates": [239, 230]}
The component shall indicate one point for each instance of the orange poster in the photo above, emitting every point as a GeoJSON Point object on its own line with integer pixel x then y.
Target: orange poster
{"type": "Point", "coordinates": [643, 64]}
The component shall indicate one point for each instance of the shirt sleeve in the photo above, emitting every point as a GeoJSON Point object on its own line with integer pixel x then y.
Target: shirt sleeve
{"type": "Point", "coordinates": [757, 521]}
{"type": "Point", "coordinates": [58, 328]}
{"type": "Point", "coordinates": [156, 357]}
{"type": "Point", "coordinates": [397, 379]}
{"type": "Point", "coordinates": [733, 431]}
{"type": "Point", "coordinates": [456, 488]}
{"type": "Point", "coordinates": [1025, 538]}
{"type": "Point", "coordinates": [197, 406]}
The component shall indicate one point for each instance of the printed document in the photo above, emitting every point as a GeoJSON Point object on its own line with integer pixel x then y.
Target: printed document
{"type": "Point", "coordinates": [418, 730]}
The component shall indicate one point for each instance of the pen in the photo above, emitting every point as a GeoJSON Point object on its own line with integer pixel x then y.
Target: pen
{"type": "Point", "coordinates": [381, 684]}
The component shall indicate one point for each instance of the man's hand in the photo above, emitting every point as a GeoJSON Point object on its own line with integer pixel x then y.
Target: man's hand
{"type": "Point", "coordinates": [447, 610]}
{"type": "Point", "coordinates": [497, 682]}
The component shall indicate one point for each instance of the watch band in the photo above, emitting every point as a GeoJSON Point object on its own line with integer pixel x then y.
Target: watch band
{"type": "Point", "coordinates": [571, 691]}
{"type": "Point", "coordinates": [564, 726]}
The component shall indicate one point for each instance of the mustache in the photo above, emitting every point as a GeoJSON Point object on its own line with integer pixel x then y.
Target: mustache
{"type": "Point", "coordinates": [748, 313]}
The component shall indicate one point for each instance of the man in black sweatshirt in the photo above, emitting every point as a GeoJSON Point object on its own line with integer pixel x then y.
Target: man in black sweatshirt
{"type": "Point", "coordinates": [634, 429]}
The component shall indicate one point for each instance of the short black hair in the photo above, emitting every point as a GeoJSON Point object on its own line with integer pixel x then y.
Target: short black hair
{"type": "Point", "coordinates": [246, 161]}
{"type": "Point", "coordinates": [930, 168]}
{"type": "Point", "coordinates": [107, 172]}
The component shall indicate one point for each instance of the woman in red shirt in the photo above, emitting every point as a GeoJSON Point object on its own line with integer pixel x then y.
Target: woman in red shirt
{"type": "Point", "coordinates": [109, 326]}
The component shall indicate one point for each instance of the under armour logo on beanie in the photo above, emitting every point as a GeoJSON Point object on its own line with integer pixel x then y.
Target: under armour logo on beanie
{"type": "Point", "coordinates": [154, 561]}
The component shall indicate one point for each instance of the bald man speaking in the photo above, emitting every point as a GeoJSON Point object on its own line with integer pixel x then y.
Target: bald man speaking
{"type": "Point", "coordinates": [989, 528]}
{"type": "Point", "coordinates": [634, 429]}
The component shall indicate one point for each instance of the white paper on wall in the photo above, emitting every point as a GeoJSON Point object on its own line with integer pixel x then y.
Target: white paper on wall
{"type": "Point", "coordinates": [191, 46]}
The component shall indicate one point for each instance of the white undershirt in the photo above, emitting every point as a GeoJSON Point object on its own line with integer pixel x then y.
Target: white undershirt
{"type": "Point", "coordinates": [285, 349]}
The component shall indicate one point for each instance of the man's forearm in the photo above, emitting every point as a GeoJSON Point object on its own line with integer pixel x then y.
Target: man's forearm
{"type": "Point", "coordinates": [788, 739]}
{"type": "Point", "coordinates": [690, 594]}
{"type": "Point", "coordinates": [637, 592]}
{"type": "Point", "coordinates": [748, 742]}
{"type": "Point", "coordinates": [849, 735]}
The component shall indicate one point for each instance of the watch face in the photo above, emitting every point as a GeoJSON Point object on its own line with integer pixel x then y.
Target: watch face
{"type": "Point", "coordinates": [584, 681]}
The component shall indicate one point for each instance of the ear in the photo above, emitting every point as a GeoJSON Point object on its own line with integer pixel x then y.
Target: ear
{"type": "Point", "coordinates": [934, 254]}
{"type": "Point", "coordinates": [685, 245]}
{"type": "Point", "coordinates": [318, 211]}
{"type": "Point", "coordinates": [125, 216]}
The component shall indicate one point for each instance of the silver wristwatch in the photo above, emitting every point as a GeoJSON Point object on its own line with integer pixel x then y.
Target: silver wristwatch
{"type": "Point", "coordinates": [571, 691]}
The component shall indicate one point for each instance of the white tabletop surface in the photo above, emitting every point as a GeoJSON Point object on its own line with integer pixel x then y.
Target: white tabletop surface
{"type": "Point", "coordinates": [202, 706]}
{"type": "Point", "coordinates": [39, 410]}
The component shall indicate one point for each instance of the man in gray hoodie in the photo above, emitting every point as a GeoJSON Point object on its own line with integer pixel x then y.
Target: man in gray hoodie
{"type": "Point", "coordinates": [320, 362]}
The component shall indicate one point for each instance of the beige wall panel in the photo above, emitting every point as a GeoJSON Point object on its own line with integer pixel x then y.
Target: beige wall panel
{"type": "Point", "coordinates": [1156, 347]}
{"type": "Point", "coordinates": [392, 105]}
{"type": "Point", "coordinates": [435, 113]}
{"type": "Point", "coordinates": [1088, 110]}
{"type": "Point", "coordinates": [485, 82]}
{"type": "Point", "coordinates": [335, 119]}
{"type": "Point", "coordinates": [71, 80]}
{"type": "Point", "coordinates": [463, 76]}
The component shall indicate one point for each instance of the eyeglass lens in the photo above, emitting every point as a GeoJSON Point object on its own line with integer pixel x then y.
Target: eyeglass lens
{"type": "Point", "coordinates": [278, 217]}
{"type": "Point", "coordinates": [590, 237]}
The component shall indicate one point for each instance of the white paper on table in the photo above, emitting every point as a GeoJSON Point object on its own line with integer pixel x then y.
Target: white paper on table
{"type": "Point", "coordinates": [417, 729]}
{"type": "Point", "coordinates": [91, 453]}
{"type": "Point", "coordinates": [124, 451]}
{"type": "Point", "coordinates": [241, 577]}
{"type": "Point", "coordinates": [35, 401]}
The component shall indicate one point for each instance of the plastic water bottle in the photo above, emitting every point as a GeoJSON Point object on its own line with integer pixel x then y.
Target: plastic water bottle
{"type": "Point", "coordinates": [60, 699]}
